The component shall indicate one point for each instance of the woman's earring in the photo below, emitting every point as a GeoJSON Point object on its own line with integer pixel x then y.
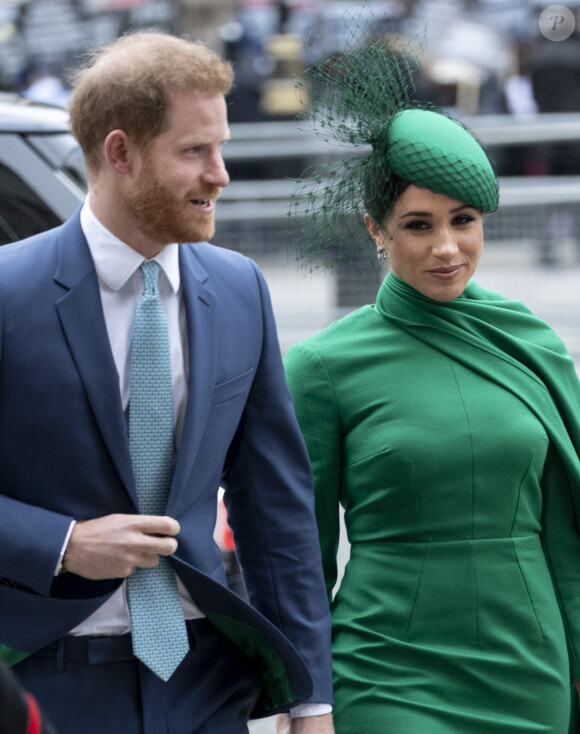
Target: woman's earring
{"type": "Point", "coordinates": [381, 254]}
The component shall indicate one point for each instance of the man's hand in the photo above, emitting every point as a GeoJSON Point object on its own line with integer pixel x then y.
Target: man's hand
{"type": "Point", "coordinates": [285, 724]}
{"type": "Point", "coordinates": [115, 545]}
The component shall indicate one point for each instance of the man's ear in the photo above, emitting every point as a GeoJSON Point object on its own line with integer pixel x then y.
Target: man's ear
{"type": "Point", "coordinates": [119, 151]}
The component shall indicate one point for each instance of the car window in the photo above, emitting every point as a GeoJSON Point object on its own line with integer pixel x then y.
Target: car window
{"type": "Point", "coordinates": [22, 212]}
{"type": "Point", "coordinates": [62, 152]}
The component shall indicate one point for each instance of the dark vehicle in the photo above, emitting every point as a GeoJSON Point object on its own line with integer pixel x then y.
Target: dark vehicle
{"type": "Point", "coordinates": [42, 171]}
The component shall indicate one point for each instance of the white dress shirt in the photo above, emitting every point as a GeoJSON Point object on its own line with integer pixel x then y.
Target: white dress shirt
{"type": "Point", "coordinates": [121, 284]}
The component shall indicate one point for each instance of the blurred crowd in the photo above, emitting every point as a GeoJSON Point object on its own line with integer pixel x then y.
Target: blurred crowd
{"type": "Point", "coordinates": [477, 56]}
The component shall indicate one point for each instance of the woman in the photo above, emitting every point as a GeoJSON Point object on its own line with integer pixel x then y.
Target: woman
{"type": "Point", "coordinates": [445, 420]}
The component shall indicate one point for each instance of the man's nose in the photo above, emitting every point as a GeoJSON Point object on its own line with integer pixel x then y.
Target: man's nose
{"type": "Point", "coordinates": [215, 171]}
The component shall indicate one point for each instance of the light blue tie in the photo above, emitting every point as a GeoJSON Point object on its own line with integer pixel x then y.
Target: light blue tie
{"type": "Point", "coordinates": [157, 625]}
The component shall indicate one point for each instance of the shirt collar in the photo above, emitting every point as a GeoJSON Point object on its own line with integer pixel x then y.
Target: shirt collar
{"type": "Point", "coordinates": [115, 262]}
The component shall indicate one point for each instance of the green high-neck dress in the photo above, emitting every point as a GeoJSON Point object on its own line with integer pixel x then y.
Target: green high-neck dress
{"type": "Point", "coordinates": [449, 432]}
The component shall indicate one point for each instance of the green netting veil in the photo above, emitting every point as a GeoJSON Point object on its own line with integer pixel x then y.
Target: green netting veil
{"type": "Point", "coordinates": [361, 102]}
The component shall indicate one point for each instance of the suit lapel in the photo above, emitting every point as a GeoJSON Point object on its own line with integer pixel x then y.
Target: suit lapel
{"type": "Point", "coordinates": [200, 311]}
{"type": "Point", "coordinates": [81, 315]}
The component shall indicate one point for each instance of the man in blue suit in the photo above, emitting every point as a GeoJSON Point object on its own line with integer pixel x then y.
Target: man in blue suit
{"type": "Point", "coordinates": [149, 112]}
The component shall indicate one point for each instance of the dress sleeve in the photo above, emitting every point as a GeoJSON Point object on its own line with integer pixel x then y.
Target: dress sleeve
{"type": "Point", "coordinates": [562, 547]}
{"type": "Point", "coordinates": [317, 412]}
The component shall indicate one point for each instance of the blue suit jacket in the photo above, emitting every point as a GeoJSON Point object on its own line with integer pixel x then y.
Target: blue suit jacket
{"type": "Point", "coordinates": [64, 454]}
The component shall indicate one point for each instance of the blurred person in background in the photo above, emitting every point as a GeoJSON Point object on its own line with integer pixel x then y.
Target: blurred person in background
{"type": "Point", "coordinates": [44, 83]}
{"type": "Point", "coordinates": [555, 78]}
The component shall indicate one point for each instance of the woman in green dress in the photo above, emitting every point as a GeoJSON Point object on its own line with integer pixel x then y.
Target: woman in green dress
{"type": "Point", "coordinates": [445, 420]}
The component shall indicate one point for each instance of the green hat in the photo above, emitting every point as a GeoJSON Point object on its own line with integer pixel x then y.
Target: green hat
{"type": "Point", "coordinates": [362, 100]}
{"type": "Point", "coordinates": [435, 152]}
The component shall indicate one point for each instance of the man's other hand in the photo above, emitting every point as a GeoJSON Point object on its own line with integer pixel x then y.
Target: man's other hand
{"type": "Point", "coordinates": [285, 724]}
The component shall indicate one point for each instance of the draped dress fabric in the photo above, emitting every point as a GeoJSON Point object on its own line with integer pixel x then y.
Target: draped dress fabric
{"type": "Point", "coordinates": [449, 433]}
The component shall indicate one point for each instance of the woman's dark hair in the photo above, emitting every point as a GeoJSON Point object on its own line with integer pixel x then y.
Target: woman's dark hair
{"type": "Point", "coordinates": [381, 187]}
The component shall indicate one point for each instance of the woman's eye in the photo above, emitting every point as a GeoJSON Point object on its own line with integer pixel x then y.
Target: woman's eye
{"type": "Point", "coordinates": [463, 219]}
{"type": "Point", "coordinates": [417, 224]}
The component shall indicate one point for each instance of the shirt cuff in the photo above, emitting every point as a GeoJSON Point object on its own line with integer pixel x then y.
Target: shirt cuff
{"type": "Point", "coordinates": [64, 545]}
{"type": "Point", "coordinates": [310, 709]}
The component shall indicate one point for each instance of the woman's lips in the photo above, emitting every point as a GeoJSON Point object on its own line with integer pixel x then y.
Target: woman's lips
{"type": "Point", "coordinates": [447, 273]}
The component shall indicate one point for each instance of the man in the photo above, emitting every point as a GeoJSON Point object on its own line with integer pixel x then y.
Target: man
{"type": "Point", "coordinates": [103, 320]}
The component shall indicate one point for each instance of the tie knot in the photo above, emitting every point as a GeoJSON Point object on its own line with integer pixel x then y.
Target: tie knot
{"type": "Point", "coordinates": [150, 270]}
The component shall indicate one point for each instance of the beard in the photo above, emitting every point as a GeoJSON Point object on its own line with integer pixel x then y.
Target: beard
{"type": "Point", "coordinates": [165, 217]}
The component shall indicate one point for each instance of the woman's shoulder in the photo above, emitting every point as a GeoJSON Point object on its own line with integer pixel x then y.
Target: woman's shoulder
{"type": "Point", "coordinates": [339, 333]}
{"type": "Point", "coordinates": [477, 292]}
{"type": "Point", "coordinates": [515, 317]}
{"type": "Point", "coordinates": [346, 347]}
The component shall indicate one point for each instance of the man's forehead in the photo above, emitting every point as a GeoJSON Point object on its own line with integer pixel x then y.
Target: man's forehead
{"type": "Point", "coordinates": [194, 103]}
